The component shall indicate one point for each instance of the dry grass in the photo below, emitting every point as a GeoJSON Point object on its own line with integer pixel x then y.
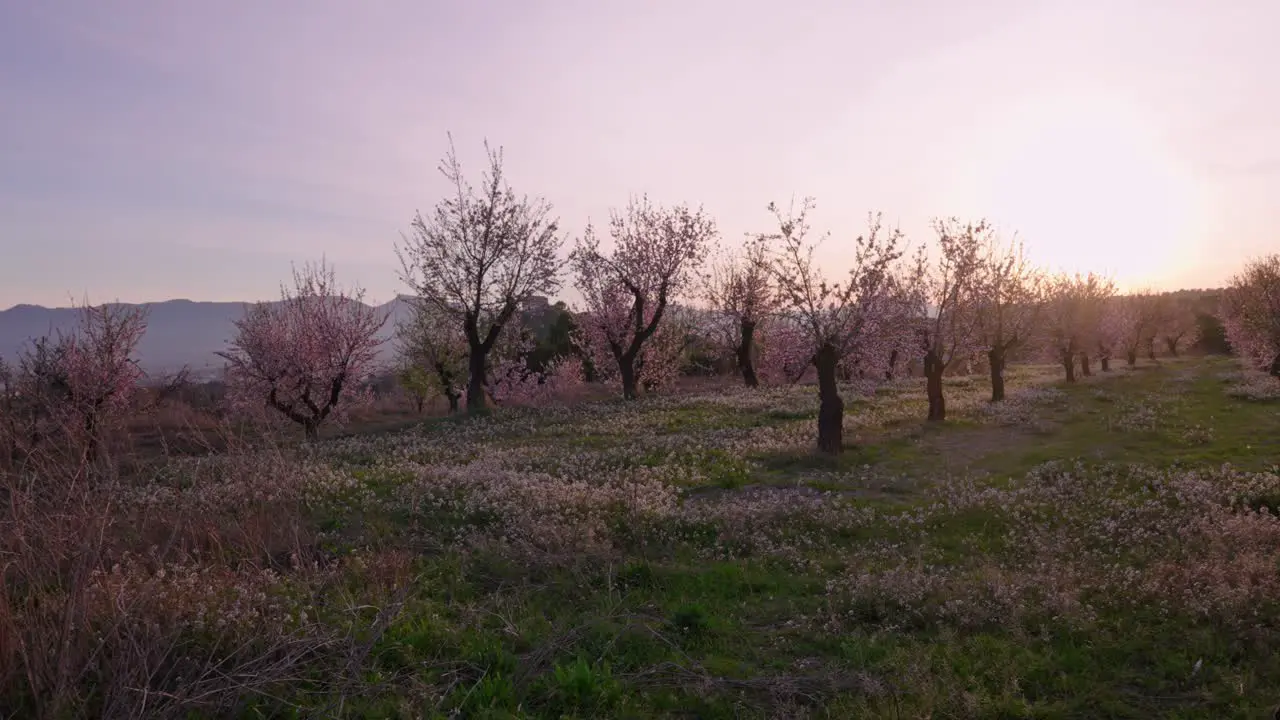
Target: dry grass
{"type": "Point", "coordinates": [685, 555]}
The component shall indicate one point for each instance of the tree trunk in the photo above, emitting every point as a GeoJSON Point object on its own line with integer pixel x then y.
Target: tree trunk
{"type": "Point", "coordinates": [1274, 370]}
{"type": "Point", "coordinates": [475, 381]}
{"type": "Point", "coordinates": [453, 401]}
{"type": "Point", "coordinates": [1172, 344]}
{"type": "Point", "coordinates": [1106, 363]}
{"type": "Point", "coordinates": [830, 407]}
{"type": "Point", "coordinates": [1084, 365]}
{"type": "Point", "coordinates": [627, 371]}
{"type": "Point", "coordinates": [1069, 364]}
{"type": "Point", "coordinates": [91, 436]}
{"type": "Point", "coordinates": [893, 365]}
{"type": "Point", "coordinates": [311, 430]}
{"type": "Point", "coordinates": [1132, 358]}
{"type": "Point", "coordinates": [995, 358]}
{"type": "Point", "coordinates": [933, 369]}
{"type": "Point", "coordinates": [746, 363]}
{"type": "Point", "coordinates": [1151, 349]}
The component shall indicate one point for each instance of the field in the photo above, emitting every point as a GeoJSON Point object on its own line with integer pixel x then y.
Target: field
{"type": "Point", "coordinates": [1104, 549]}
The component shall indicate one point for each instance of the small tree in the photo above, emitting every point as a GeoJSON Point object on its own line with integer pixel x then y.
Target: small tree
{"type": "Point", "coordinates": [1251, 314]}
{"type": "Point", "coordinates": [741, 290]}
{"type": "Point", "coordinates": [1096, 332]}
{"type": "Point", "coordinates": [1136, 315]}
{"type": "Point", "coordinates": [1072, 314]}
{"type": "Point", "coordinates": [417, 381]}
{"type": "Point", "coordinates": [656, 256]}
{"type": "Point", "coordinates": [305, 356]}
{"type": "Point", "coordinates": [37, 395]}
{"type": "Point", "coordinates": [1112, 331]}
{"type": "Point", "coordinates": [948, 296]}
{"type": "Point", "coordinates": [101, 372]}
{"type": "Point", "coordinates": [432, 352]}
{"type": "Point", "coordinates": [75, 386]}
{"type": "Point", "coordinates": [843, 321]}
{"type": "Point", "coordinates": [479, 257]}
{"type": "Point", "coordinates": [1178, 323]}
{"type": "Point", "coordinates": [1011, 299]}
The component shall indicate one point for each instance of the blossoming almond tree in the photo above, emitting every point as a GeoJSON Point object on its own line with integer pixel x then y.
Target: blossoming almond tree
{"type": "Point", "coordinates": [847, 320]}
{"type": "Point", "coordinates": [306, 355]}
{"type": "Point", "coordinates": [1136, 315]}
{"type": "Point", "coordinates": [1178, 323]}
{"type": "Point", "coordinates": [1112, 330]}
{"type": "Point", "coordinates": [101, 371]}
{"type": "Point", "coordinates": [480, 256]}
{"type": "Point", "coordinates": [628, 292]}
{"type": "Point", "coordinates": [1010, 303]}
{"type": "Point", "coordinates": [1071, 316]}
{"type": "Point", "coordinates": [1251, 314]}
{"type": "Point", "coordinates": [948, 303]}
{"type": "Point", "coordinates": [784, 350]}
{"type": "Point", "coordinates": [740, 289]}
{"type": "Point", "coordinates": [75, 385]}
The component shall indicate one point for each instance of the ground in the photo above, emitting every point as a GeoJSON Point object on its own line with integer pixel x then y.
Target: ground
{"type": "Point", "coordinates": [1104, 549]}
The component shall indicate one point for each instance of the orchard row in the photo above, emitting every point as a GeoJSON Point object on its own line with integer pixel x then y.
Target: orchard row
{"type": "Point", "coordinates": [480, 256]}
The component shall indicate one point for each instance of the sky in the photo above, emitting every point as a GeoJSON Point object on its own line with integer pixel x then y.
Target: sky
{"type": "Point", "coordinates": [151, 151]}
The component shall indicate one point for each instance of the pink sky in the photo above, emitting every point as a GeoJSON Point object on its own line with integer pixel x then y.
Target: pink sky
{"type": "Point", "coordinates": [155, 151]}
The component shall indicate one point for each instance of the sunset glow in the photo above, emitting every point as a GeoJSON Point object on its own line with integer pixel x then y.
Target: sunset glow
{"type": "Point", "coordinates": [143, 141]}
{"type": "Point", "coordinates": [1087, 182]}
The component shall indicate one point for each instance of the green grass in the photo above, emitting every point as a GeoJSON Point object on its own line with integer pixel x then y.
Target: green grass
{"type": "Point", "coordinates": [738, 614]}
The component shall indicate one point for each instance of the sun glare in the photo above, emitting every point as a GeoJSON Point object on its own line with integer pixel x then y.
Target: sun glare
{"type": "Point", "coordinates": [1087, 184]}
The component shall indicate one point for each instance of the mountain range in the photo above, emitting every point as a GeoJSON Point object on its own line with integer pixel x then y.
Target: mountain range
{"type": "Point", "coordinates": [180, 333]}
{"type": "Point", "coordinates": [186, 333]}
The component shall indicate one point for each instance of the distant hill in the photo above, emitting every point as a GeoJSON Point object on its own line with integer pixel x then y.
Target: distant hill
{"type": "Point", "coordinates": [187, 333]}
{"type": "Point", "coordinates": [179, 332]}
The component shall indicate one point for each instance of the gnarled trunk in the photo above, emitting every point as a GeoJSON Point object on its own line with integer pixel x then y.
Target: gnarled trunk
{"type": "Point", "coordinates": [311, 430]}
{"type": "Point", "coordinates": [746, 363]}
{"type": "Point", "coordinates": [1274, 370]}
{"type": "Point", "coordinates": [1151, 349]}
{"type": "Point", "coordinates": [1085, 369]}
{"type": "Point", "coordinates": [830, 406]}
{"type": "Point", "coordinates": [893, 365]}
{"type": "Point", "coordinates": [1132, 358]}
{"type": "Point", "coordinates": [446, 379]}
{"type": "Point", "coordinates": [1068, 360]}
{"type": "Point", "coordinates": [1172, 344]}
{"type": "Point", "coordinates": [627, 373]}
{"type": "Point", "coordinates": [995, 359]}
{"type": "Point", "coordinates": [933, 369]}
{"type": "Point", "coordinates": [1106, 363]}
{"type": "Point", "coordinates": [475, 381]}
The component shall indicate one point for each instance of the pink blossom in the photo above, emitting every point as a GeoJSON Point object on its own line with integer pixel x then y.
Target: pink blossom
{"type": "Point", "coordinates": [306, 356]}
{"type": "Point", "coordinates": [629, 293]}
{"type": "Point", "coordinates": [1250, 314]}
{"type": "Point", "coordinates": [740, 291]}
{"type": "Point", "coordinates": [857, 322]}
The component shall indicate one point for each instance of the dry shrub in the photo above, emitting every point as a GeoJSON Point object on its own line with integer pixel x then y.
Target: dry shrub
{"type": "Point", "coordinates": [193, 588]}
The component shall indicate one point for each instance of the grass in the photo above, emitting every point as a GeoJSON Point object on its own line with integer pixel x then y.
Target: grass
{"type": "Point", "coordinates": [1078, 552]}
